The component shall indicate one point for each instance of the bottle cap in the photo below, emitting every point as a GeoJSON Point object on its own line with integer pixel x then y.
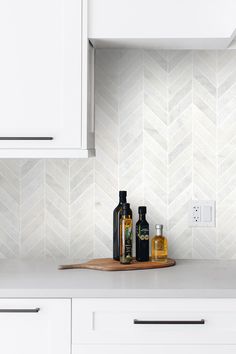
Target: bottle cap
{"type": "Point", "coordinates": [142, 210]}
{"type": "Point", "coordinates": [122, 195]}
{"type": "Point", "coordinates": [159, 226]}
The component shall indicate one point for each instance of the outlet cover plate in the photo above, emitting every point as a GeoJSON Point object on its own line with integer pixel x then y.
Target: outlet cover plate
{"type": "Point", "coordinates": [202, 213]}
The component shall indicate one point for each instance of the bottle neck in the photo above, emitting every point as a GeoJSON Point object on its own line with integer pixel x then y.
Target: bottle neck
{"type": "Point", "coordinates": [159, 232]}
{"type": "Point", "coordinates": [142, 217]}
{"type": "Point", "coordinates": [122, 200]}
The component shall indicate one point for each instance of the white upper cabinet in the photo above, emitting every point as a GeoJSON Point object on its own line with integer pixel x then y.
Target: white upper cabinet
{"type": "Point", "coordinates": [167, 24]}
{"type": "Point", "coordinates": [46, 79]}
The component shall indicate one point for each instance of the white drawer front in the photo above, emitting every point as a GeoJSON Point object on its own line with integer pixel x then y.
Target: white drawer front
{"type": "Point", "coordinates": [163, 349]}
{"type": "Point", "coordinates": [35, 326]}
{"type": "Point", "coordinates": [111, 321]}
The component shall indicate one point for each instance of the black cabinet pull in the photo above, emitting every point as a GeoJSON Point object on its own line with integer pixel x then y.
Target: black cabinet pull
{"type": "Point", "coordinates": [37, 309]}
{"type": "Point", "coordinates": [201, 322]}
{"type": "Point", "coordinates": [26, 138]}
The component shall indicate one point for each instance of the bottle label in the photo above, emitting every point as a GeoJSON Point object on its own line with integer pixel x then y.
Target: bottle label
{"type": "Point", "coordinates": [143, 234]}
{"type": "Point", "coordinates": [159, 245]}
{"type": "Point", "coordinates": [142, 242]}
{"type": "Point", "coordinates": [128, 239]}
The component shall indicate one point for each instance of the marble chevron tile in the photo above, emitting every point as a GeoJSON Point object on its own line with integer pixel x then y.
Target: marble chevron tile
{"type": "Point", "coordinates": [204, 144]}
{"type": "Point", "coordinates": [226, 247]}
{"type": "Point", "coordinates": [57, 208]}
{"type": "Point", "coordinates": [9, 208]}
{"type": "Point", "coordinates": [107, 142]}
{"type": "Point", "coordinates": [179, 152]}
{"type": "Point", "coordinates": [32, 208]}
{"type": "Point", "coordinates": [204, 243]}
{"type": "Point", "coordinates": [131, 100]}
{"type": "Point", "coordinates": [226, 101]}
{"type": "Point", "coordinates": [155, 117]}
{"type": "Point", "coordinates": [165, 132]}
{"type": "Point", "coordinates": [81, 208]}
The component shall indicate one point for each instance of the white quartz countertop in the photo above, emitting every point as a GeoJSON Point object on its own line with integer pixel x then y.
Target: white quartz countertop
{"type": "Point", "coordinates": [189, 278]}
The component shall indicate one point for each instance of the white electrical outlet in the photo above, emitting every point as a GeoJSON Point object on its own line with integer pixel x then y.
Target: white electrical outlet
{"type": "Point", "coordinates": [196, 213]}
{"type": "Point", "coordinates": [202, 213]}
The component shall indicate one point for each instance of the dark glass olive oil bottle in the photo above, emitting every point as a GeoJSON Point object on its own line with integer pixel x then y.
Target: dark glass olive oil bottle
{"type": "Point", "coordinates": [142, 236]}
{"type": "Point", "coordinates": [116, 225]}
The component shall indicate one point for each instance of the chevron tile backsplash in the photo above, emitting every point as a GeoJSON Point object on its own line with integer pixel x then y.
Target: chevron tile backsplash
{"type": "Point", "coordinates": [165, 132]}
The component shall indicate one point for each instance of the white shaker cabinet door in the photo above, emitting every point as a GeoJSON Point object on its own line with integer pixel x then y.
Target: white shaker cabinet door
{"type": "Point", "coordinates": [143, 20]}
{"type": "Point", "coordinates": [41, 50]}
{"type": "Point", "coordinates": [35, 326]}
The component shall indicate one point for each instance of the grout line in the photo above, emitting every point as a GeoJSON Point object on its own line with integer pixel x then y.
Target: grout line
{"type": "Point", "coordinates": [192, 129]}
{"type": "Point", "coordinates": [143, 140]}
{"type": "Point", "coordinates": [118, 116]}
{"type": "Point", "coordinates": [94, 166]}
{"type": "Point", "coordinates": [94, 209]}
{"type": "Point", "coordinates": [44, 207]}
{"type": "Point", "coordinates": [20, 211]}
{"type": "Point", "coordinates": [69, 209]}
{"type": "Point", "coordinates": [168, 141]}
{"type": "Point", "coordinates": [217, 158]}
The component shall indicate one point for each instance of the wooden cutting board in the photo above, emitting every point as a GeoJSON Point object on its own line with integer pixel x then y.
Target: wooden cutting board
{"type": "Point", "coordinates": [112, 265]}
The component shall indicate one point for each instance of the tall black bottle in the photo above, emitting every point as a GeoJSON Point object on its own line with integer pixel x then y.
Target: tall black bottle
{"type": "Point", "coordinates": [142, 236]}
{"type": "Point", "coordinates": [116, 225]}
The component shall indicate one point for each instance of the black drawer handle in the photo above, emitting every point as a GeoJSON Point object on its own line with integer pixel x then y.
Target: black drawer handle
{"type": "Point", "coordinates": [201, 322]}
{"type": "Point", "coordinates": [26, 138]}
{"type": "Point", "coordinates": [37, 309]}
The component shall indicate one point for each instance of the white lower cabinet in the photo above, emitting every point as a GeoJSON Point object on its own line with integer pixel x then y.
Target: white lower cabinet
{"type": "Point", "coordinates": [130, 326]}
{"type": "Point", "coordinates": [35, 326]}
{"type": "Point", "coordinates": [135, 325]}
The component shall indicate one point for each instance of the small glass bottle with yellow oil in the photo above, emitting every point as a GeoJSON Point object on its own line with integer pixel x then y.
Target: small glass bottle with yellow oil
{"type": "Point", "coordinates": [159, 245]}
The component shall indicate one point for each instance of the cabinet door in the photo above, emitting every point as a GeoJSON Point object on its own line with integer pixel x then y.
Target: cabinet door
{"type": "Point", "coordinates": [40, 74]}
{"type": "Point", "coordinates": [35, 326]}
{"type": "Point", "coordinates": [114, 20]}
{"type": "Point", "coordinates": [163, 349]}
{"type": "Point", "coordinates": [154, 321]}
